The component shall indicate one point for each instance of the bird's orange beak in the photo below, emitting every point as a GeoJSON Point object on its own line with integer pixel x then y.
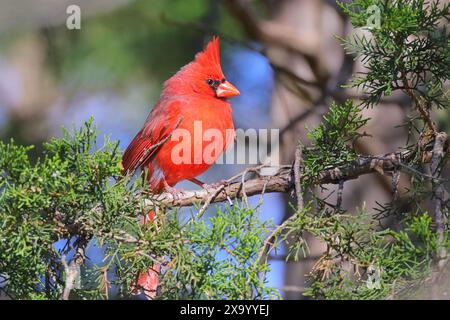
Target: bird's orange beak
{"type": "Point", "coordinates": [227, 90]}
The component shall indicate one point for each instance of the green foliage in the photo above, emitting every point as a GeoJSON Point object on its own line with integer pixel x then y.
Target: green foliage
{"type": "Point", "coordinates": [409, 48]}
{"type": "Point", "coordinates": [227, 246]}
{"type": "Point", "coordinates": [391, 252]}
{"type": "Point", "coordinates": [332, 142]}
{"type": "Point", "coordinates": [43, 202]}
{"type": "Point", "coordinates": [75, 193]}
{"type": "Point", "coordinates": [363, 261]}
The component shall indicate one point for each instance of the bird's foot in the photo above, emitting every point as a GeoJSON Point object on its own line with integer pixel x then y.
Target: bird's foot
{"type": "Point", "coordinates": [210, 187]}
{"type": "Point", "coordinates": [214, 185]}
{"type": "Point", "coordinates": [176, 193]}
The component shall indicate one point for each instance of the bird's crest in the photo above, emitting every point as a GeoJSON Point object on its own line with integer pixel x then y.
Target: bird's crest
{"type": "Point", "coordinates": [193, 76]}
{"type": "Point", "coordinates": [209, 58]}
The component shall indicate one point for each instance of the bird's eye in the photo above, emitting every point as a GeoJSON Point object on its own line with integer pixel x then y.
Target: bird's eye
{"type": "Point", "coordinates": [210, 81]}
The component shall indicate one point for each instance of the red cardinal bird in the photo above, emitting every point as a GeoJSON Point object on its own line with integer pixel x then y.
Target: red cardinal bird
{"type": "Point", "coordinates": [195, 95]}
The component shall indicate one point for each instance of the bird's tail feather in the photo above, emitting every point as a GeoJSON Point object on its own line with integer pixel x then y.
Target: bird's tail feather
{"type": "Point", "coordinates": [147, 282]}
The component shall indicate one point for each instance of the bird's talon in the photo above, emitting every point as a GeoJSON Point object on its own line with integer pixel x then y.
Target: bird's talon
{"type": "Point", "coordinates": [176, 194]}
{"type": "Point", "coordinates": [215, 185]}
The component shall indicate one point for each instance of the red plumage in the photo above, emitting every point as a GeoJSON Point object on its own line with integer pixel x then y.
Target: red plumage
{"type": "Point", "coordinates": [197, 92]}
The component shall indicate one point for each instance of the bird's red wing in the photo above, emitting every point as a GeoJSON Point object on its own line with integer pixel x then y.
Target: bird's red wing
{"type": "Point", "coordinates": [159, 125]}
{"type": "Point", "coordinates": [138, 153]}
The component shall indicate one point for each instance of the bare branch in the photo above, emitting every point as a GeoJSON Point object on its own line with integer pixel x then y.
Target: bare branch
{"type": "Point", "coordinates": [298, 167]}
{"type": "Point", "coordinates": [424, 112]}
{"type": "Point", "coordinates": [73, 271]}
{"type": "Point", "coordinates": [440, 217]}
{"type": "Point", "coordinates": [283, 181]}
{"type": "Point", "coordinates": [269, 243]}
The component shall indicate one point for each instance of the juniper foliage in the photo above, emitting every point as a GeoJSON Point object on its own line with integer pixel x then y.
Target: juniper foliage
{"type": "Point", "coordinates": [391, 250]}
{"type": "Point", "coordinates": [75, 194]}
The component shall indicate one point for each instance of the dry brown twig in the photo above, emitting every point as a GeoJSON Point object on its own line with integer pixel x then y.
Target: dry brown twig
{"type": "Point", "coordinates": [424, 113]}
{"type": "Point", "coordinates": [269, 243]}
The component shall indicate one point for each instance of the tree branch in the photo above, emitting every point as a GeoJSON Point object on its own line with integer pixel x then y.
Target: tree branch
{"type": "Point", "coordinates": [440, 216]}
{"type": "Point", "coordinates": [73, 270]}
{"type": "Point", "coordinates": [424, 112]}
{"type": "Point", "coordinates": [298, 168]}
{"type": "Point", "coordinates": [283, 180]}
